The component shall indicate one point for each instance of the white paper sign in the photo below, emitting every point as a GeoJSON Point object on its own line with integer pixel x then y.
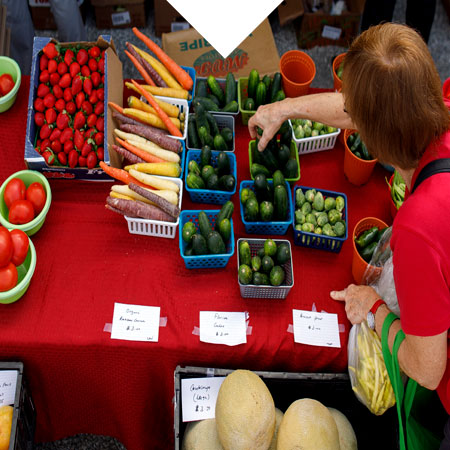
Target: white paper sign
{"type": "Point", "coordinates": [198, 397]}
{"type": "Point", "coordinates": [135, 322]}
{"type": "Point", "coordinates": [314, 328]}
{"type": "Point", "coordinates": [228, 328]}
{"type": "Point", "coordinates": [8, 382]}
{"type": "Point", "coordinates": [331, 32]}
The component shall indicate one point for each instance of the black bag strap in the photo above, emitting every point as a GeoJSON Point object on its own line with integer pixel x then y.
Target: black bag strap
{"type": "Point", "coordinates": [437, 166]}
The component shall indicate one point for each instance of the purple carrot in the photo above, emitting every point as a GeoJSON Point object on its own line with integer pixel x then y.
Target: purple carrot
{"type": "Point", "coordinates": [118, 211]}
{"type": "Point", "coordinates": [131, 157]}
{"type": "Point", "coordinates": [122, 119]}
{"type": "Point", "coordinates": [166, 142]}
{"type": "Point", "coordinates": [136, 208]}
{"type": "Point", "coordinates": [159, 201]}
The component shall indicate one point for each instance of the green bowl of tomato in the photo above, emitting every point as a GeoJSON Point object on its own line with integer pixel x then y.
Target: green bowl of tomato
{"type": "Point", "coordinates": [25, 272]}
{"type": "Point", "coordinates": [10, 78]}
{"type": "Point", "coordinates": [25, 219]}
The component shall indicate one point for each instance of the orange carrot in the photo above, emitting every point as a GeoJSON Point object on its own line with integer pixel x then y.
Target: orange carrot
{"type": "Point", "coordinates": [120, 174]}
{"type": "Point", "coordinates": [141, 70]}
{"type": "Point", "coordinates": [181, 75]}
{"type": "Point", "coordinates": [115, 106]}
{"type": "Point", "coordinates": [138, 152]}
{"type": "Point", "coordinates": [173, 130]}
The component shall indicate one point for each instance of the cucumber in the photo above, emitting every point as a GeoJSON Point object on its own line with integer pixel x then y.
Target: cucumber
{"type": "Point", "coordinates": [256, 263]}
{"type": "Point", "coordinates": [276, 276]}
{"type": "Point", "coordinates": [259, 168]}
{"type": "Point", "coordinates": [280, 95]}
{"type": "Point", "coordinates": [276, 86]}
{"type": "Point", "coordinates": [223, 163]}
{"type": "Point", "coordinates": [212, 123]}
{"type": "Point", "coordinates": [225, 229]}
{"type": "Point", "coordinates": [215, 89]}
{"type": "Point", "coordinates": [194, 141]}
{"type": "Point", "coordinates": [207, 171]}
{"type": "Point", "coordinates": [199, 245]}
{"type": "Point", "coordinates": [280, 198]}
{"type": "Point", "coordinates": [249, 104]}
{"type": "Point", "coordinates": [245, 254]}
{"type": "Point", "coordinates": [268, 82]}
{"type": "Point", "coordinates": [283, 254]}
{"type": "Point", "coordinates": [219, 143]}
{"type": "Point", "coordinates": [189, 251]}
{"type": "Point", "coordinates": [268, 159]}
{"type": "Point", "coordinates": [227, 135]}
{"type": "Point", "coordinates": [200, 117]}
{"type": "Point", "coordinates": [245, 274]}
{"type": "Point", "coordinates": [214, 99]}
{"type": "Point", "coordinates": [225, 212]}
{"type": "Point", "coordinates": [204, 224]}
{"type": "Point", "coordinates": [278, 178]}
{"type": "Point", "coordinates": [202, 89]}
{"type": "Point", "coordinates": [227, 182]}
{"type": "Point", "coordinates": [193, 167]}
{"type": "Point", "coordinates": [230, 88]}
{"type": "Point", "coordinates": [232, 106]}
{"type": "Point", "coordinates": [260, 96]}
{"type": "Point", "coordinates": [194, 181]}
{"type": "Point", "coordinates": [205, 156]}
{"type": "Point", "coordinates": [188, 232]}
{"type": "Point", "coordinates": [253, 80]}
{"type": "Point", "coordinates": [206, 102]}
{"type": "Point", "coordinates": [245, 194]}
{"type": "Point", "coordinates": [209, 140]}
{"type": "Point", "coordinates": [261, 187]}
{"type": "Point", "coordinates": [251, 212]}
{"type": "Point", "coordinates": [213, 182]}
{"type": "Point", "coordinates": [202, 135]}
{"type": "Point", "coordinates": [267, 264]}
{"type": "Point", "coordinates": [291, 169]}
{"type": "Point", "coordinates": [284, 153]}
{"type": "Point", "coordinates": [260, 279]}
{"type": "Point", "coordinates": [266, 211]}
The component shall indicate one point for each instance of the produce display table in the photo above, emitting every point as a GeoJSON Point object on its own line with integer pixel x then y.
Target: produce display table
{"type": "Point", "coordinates": [81, 380]}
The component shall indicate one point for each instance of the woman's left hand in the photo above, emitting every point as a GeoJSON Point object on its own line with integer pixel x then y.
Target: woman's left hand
{"type": "Point", "coordinates": [358, 301]}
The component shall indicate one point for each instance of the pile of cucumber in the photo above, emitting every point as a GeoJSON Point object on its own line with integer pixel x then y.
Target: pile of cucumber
{"type": "Point", "coordinates": [304, 128]}
{"type": "Point", "coordinates": [204, 130]}
{"type": "Point", "coordinates": [265, 267]}
{"type": "Point", "coordinates": [210, 94]}
{"type": "Point", "coordinates": [210, 174]}
{"type": "Point", "coordinates": [262, 91]}
{"type": "Point", "coordinates": [276, 155]}
{"type": "Point", "coordinates": [367, 242]}
{"type": "Point", "coordinates": [268, 202]}
{"type": "Point", "coordinates": [319, 215]}
{"type": "Point", "coordinates": [357, 147]}
{"type": "Point", "coordinates": [208, 239]}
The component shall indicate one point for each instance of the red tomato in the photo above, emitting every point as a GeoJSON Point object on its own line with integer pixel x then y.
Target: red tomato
{"type": "Point", "coordinates": [8, 277]}
{"type": "Point", "coordinates": [20, 244]}
{"type": "Point", "coordinates": [36, 195]}
{"type": "Point", "coordinates": [6, 83]}
{"type": "Point", "coordinates": [21, 212]}
{"type": "Point", "coordinates": [14, 190]}
{"type": "Point", "coordinates": [6, 247]}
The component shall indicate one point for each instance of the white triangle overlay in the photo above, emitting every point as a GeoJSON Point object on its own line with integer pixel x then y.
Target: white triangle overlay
{"type": "Point", "coordinates": [225, 23]}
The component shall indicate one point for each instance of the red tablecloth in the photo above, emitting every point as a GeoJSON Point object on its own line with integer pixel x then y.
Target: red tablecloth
{"type": "Point", "coordinates": [82, 380]}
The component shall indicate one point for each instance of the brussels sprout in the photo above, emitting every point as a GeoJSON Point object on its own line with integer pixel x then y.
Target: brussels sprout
{"type": "Point", "coordinates": [299, 198]}
{"type": "Point", "coordinates": [318, 126]}
{"type": "Point", "coordinates": [311, 218]}
{"type": "Point", "coordinates": [299, 217]}
{"type": "Point", "coordinates": [328, 230]}
{"type": "Point", "coordinates": [340, 203]}
{"type": "Point", "coordinates": [322, 132]}
{"type": "Point", "coordinates": [309, 195]}
{"type": "Point", "coordinates": [322, 219]}
{"type": "Point", "coordinates": [330, 203]}
{"type": "Point", "coordinates": [306, 208]}
{"type": "Point", "coordinates": [316, 213]}
{"type": "Point", "coordinates": [308, 227]}
{"type": "Point", "coordinates": [299, 132]}
{"type": "Point", "coordinates": [333, 216]}
{"type": "Point", "coordinates": [331, 129]}
{"type": "Point", "coordinates": [307, 130]}
{"type": "Point", "coordinates": [308, 123]}
{"type": "Point", "coordinates": [318, 230]}
{"type": "Point", "coordinates": [298, 227]}
{"type": "Point", "coordinates": [318, 203]}
{"type": "Point", "coordinates": [339, 228]}
{"type": "Point", "coordinates": [314, 133]}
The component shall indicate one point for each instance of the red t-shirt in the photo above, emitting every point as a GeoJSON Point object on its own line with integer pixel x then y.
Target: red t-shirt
{"type": "Point", "coordinates": [421, 251]}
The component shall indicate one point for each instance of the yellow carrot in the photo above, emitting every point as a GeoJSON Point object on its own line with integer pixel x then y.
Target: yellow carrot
{"type": "Point", "coordinates": [154, 182]}
{"type": "Point", "coordinates": [118, 195]}
{"type": "Point", "coordinates": [163, 92]}
{"type": "Point", "coordinates": [167, 169]}
{"type": "Point", "coordinates": [160, 153]}
{"type": "Point", "coordinates": [149, 118]}
{"type": "Point", "coordinates": [170, 110]}
{"type": "Point", "coordinates": [160, 68]}
{"type": "Point", "coordinates": [170, 196]}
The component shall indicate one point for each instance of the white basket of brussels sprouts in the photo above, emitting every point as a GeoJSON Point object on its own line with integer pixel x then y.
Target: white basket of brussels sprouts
{"type": "Point", "coordinates": [320, 218]}
{"type": "Point", "coordinates": [312, 136]}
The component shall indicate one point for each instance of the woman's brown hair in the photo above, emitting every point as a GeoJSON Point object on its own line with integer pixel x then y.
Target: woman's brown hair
{"type": "Point", "coordinates": [393, 93]}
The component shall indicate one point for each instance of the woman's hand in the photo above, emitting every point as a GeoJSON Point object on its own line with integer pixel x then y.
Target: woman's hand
{"type": "Point", "coordinates": [358, 301]}
{"type": "Point", "coordinates": [269, 119]}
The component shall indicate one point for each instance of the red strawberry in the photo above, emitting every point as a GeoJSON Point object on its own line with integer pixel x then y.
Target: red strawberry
{"type": "Point", "coordinates": [39, 119]}
{"type": "Point", "coordinates": [68, 94]}
{"type": "Point", "coordinates": [62, 68]}
{"type": "Point", "coordinates": [101, 153]}
{"type": "Point", "coordinates": [38, 149]}
{"type": "Point", "coordinates": [94, 52]}
{"type": "Point", "coordinates": [86, 149]}
{"type": "Point", "coordinates": [68, 57]}
{"type": "Point", "coordinates": [87, 86]}
{"type": "Point", "coordinates": [99, 108]}
{"type": "Point", "coordinates": [74, 69]}
{"type": "Point", "coordinates": [73, 158]}
{"type": "Point", "coordinates": [77, 85]}
{"type": "Point", "coordinates": [82, 161]}
{"type": "Point", "coordinates": [45, 144]}
{"type": "Point", "coordinates": [78, 139]}
{"type": "Point", "coordinates": [93, 98]}
{"type": "Point", "coordinates": [62, 158]}
{"type": "Point", "coordinates": [50, 116]}
{"type": "Point", "coordinates": [96, 78]}
{"type": "Point", "coordinates": [101, 94]}
{"type": "Point", "coordinates": [87, 107]}
{"type": "Point", "coordinates": [85, 71]}
{"type": "Point", "coordinates": [54, 78]}
{"type": "Point", "coordinates": [92, 118]}
{"type": "Point", "coordinates": [39, 105]}
{"type": "Point", "coordinates": [50, 50]}
{"type": "Point", "coordinates": [99, 138]}
{"type": "Point", "coordinates": [49, 100]}
{"type": "Point", "coordinates": [60, 105]}
{"type": "Point", "coordinates": [71, 108]}
{"type": "Point", "coordinates": [44, 76]}
{"type": "Point", "coordinates": [79, 120]}
{"type": "Point", "coordinates": [45, 131]}
{"type": "Point", "coordinates": [91, 160]}
{"type": "Point", "coordinates": [42, 90]}
{"type": "Point", "coordinates": [49, 157]}
{"type": "Point", "coordinates": [82, 56]}
{"type": "Point", "coordinates": [43, 62]}
{"type": "Point", "coordinates": [100, 125]}
{"type": "Point", "coordinates": [101, 65]}
{"type": "Point", "coordinates": [56, 134]}
{"type": "Point", "coordinates": [57, 91]}
{"type": "Point", "coordinates": [65, 80]}
{"type": "Point", "coordinates": [68, 146]}
{"type": "Point", "coordinates": [56, 146]}
{"type": "Point", "coordinates": [52, 66]}
{"type": "Point", "coordinates": [90, 133]}
{"type": "Point", "coordinates": [66, 135]}
{"type": "Point", "coordinates": [92, 64]}
{"type": "Point", "coordinates": [62, 121]}
{"type": "Point", "coordinates": [79, 99]}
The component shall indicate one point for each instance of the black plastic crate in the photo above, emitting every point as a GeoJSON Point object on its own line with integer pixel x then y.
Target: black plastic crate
{"type": "Point", "coordinates": [332, 389]}
{"type": "Point", "coordinates": [24, 414]}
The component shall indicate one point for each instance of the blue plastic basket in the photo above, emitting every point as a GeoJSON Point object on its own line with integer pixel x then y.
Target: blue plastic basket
{"type": "Point", "coordinates": [182, 158]}
{"type": "Point", "coordinates": [215, 197]}
{"type": "Point", "coordinates": [204, 261]}
{"type": "Point", "coordinates": [266, 227]}
{"type": "Point", "coordinates": [321, 241]}
{"type": "Point", "coordinates": [192, 74]}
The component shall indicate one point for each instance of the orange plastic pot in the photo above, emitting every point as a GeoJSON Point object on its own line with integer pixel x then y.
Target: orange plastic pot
{"type": "Point", "coordinates": [356, 170]}
{"type": "Point", "coordinates": [336, 63]}
{"type": "Point", "coordinates": [297, 70]}
{"type": "Point", "coordinates": [359, 265]}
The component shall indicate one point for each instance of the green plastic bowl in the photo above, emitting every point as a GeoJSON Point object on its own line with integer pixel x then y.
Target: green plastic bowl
{"type": "Point", "coordinates": [8, 65]}
{"type": "Point", "coordinates": [25, 272]}
{"type": "Point", "coordinates": [28, 177]}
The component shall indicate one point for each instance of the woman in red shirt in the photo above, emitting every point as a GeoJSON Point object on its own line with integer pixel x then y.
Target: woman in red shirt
{"type": "Point", "coordinates": [391, 93]}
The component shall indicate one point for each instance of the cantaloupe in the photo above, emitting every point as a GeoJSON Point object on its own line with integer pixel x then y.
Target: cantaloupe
{"type": "Point", "coordinates": [278, 417]}
{"type": "Point", "coordinates": [308, 425]}
{"type": "Point", "coordinates": [201, 435]}
{"type": "Point", "coordinates": [347, 436]}
{"type": "Point", "coordinates": [245, 412]}
{"type": "Point", "coordinates": [6, 416]}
